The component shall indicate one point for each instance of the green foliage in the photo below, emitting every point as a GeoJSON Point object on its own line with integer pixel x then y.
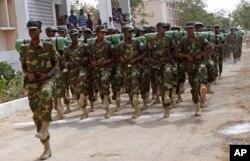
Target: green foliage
{"type": "Point", "coordinates": [241, 15]}
{"type": "Point", "coordinates": [193, 10]}
{"type": "Point", "coordinates": [11, 83]}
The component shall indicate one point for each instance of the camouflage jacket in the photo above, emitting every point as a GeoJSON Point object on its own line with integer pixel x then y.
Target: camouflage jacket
{"type": "Point", "coordinates": [38, 60]}
{"type": "Point", "coordinates": [129, 50]}
{"type": "Point", "coordinates": [193, 48]}
{"type": "Point", "coordinates": [100, 51]}
{"type": "Point", "coordinates": [161, 47]}
{"type": "Point", "coordinates": [72, 56]}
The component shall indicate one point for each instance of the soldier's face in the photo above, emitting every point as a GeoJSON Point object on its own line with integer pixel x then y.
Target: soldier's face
{"type": "Point", "coordinates": [128, 34]}
{"type": "Point", "coordinates": [190, 30]}
{"type": "Point", "coordinates": [100, 34]}
{"type": "Point", "coordinates": [61, 33]}
{"type": "Point", "coordinates": [161, 30]}
{"type": "Point", "coordinates": [74, 38]}
{"type": "Point", "coordinates": [34, 33]}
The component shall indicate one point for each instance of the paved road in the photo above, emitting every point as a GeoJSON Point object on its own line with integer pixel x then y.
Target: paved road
{"type": "Point", "coordinates": [182, 137]}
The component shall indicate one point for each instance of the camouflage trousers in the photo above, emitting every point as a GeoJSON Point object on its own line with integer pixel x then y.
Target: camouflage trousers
{"type": "Point", "coordinates": [226, 51]}
{"type": "Point", "coordinates": [101, 79]}
{"type": "Point", "coordinates": [211, 73]}
{"type": "Point", "coordinates": [215, 57]}
{"type": "Point", "coordinates": [220, 60]}
{"type": "Point", "coordinates": [181, 77]}
{"type": "Point", "coordinates": [131, 77]}
{"type": "Point", "coordinates": [197, 75]}
{"type": "Point", "coordinates": [116, 79]}
{"type": "Point", "coordinates": [40, 97]}
{"type": "Point", "coordinates": [144, 80]}
{"type": "Point", "coordinates": [165, 79]}
{"type": "Point", "coordinates": [61, 83]}
{"type": "Point", "coordinates": [236, 52]}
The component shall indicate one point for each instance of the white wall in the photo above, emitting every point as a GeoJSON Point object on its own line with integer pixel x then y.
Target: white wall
{"type": "Point", "coordinates": [12, 57]}
{"type": "Point", "coordinates": [22, 17]}
{"type": "Point", "coordinates": [105, 11]}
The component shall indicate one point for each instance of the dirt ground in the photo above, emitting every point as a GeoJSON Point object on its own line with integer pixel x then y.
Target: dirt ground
{"type": "Point", "coordinates": [182, 137]}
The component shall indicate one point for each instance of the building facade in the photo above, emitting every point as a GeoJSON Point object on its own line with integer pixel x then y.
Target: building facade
{"type": "Point", "coordinates": [159, 10]}
{"type": "Point", "coordinates": [13, 19]}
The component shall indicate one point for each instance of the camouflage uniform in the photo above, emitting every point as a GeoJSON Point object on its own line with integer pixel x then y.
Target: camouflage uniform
{"type": "Point", "coordinates": [40, 93]}
{"type": "Point", "coordinates": [99, 52]}
{"type": "Point", "coordinates": [197, 72]}
{"type": "Point", "coordinates": [233, 41]}
{"type": "Point", "coordinates": [164, 72]}
{"type": "Point", "coordinates": [131, 72]}
{"type": "Point", "coordinates": [218, 54]}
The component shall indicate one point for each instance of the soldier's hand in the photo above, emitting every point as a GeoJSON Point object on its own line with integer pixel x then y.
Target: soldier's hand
{"type": "Point", "coordinates": [43, 76]}
{"type": "Point", "coordinates": [132, 61]}
{"type": "Point", "coordinates": [71, 65]}
{"type": "Point", "coordinates": [153, 61]}
{"type": "Point", "coordinates": [122, 60]}
{"type": "Point", "coordinates": [197, 57]}
{"type": "Point", "coordinates": [31, 77]}
{"type": "Point", "coordinates": [93, 64]}
{"type": "Point", "coordinates": [190, 59]}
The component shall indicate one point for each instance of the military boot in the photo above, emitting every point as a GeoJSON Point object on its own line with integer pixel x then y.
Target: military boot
{"type": "Point", "coordinates": [118, 101]}
{"type": "Point", "coordinates": [47, 151]}
{"type": "Point", "coordinates": [82, 100]}
{"type": "Point", "coordinates": [209, 88]}
{"type": "Point", "coordinates": [174, 97]}
{"type": "Point", "coordinates": [166, 99]}
{"type": "Point", "coordinates": [67, 109]}
{"type": "Point", "coordinates": [92, 107]}
{"type": "Point", "coordinates": [158, 93]}
{"type": "Point", "coordinates": [84, 113]}
{"type": "Point", "coordinates": [203, 92]}
{"type": "Point", "coordinates": [219, 75]}
{"type": "Point", "coordinates": [145, 104]}
{"type": "Point", "coordinates": [96, 96]}
{"type": "Point", "coordinates": [44, 132]}
{"type": "Point", "coordinates": [106, 106]}
{"type": "Point", "coordinates": [197, 109]}
{"type": "Point", "coordinates": [179, 98]}
{"type": "Point", "coordinates": [181, 88]}
{"type": "Point", "coordinates": [136, 103]}
{"type": "Point", "coordinates": [59, 109]}
{"type": "Point", "coordinates": [166, 112]}
{"type": "Point", "coordinates": [147, 97]}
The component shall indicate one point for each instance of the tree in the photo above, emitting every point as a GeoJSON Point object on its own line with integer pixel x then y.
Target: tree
{"type": "Point", "coordinates": [193, 10]}
{"type": "Point", "coordinates": [241, 15]}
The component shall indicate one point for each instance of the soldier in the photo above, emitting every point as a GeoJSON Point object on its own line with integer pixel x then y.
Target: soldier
{"type": "Point", "coordinates": [62, 31]}
{"type": "Point", "coordinates": [211, 73]}
{"type": "Point", "coordinates": [73, 66]}
{"type": "Point", "coordinates": [219, 54]}
{"type": "Point", "coordinates": [233, 41]}
{"type": "Point", "coordinates": [161, 49]}
{"type": "Point", "coordinates": [87, 33]}
{"type": "Point", "coordinates": [39, 64]}
{"type": "Point", "coordinates": [50, 31]}
{"type": "Point", "coordinates": [101, 60]}
{"type": "Point", "coordinates": [130, 56]}
{"type": "Point", "coordinates": [192, 50]}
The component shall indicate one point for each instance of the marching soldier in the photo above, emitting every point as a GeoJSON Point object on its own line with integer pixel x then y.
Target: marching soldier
{"type": "Point", "coordinates": [101, 60]}
{"type": "Point", "coordinates": [39, 64]}
{"type": "Point", "coordinates": [161, 49]}
{"type": "Point", "coordinates": [130, 55]}
{"type": "Point", "coordinates": [73, 67]}
{"type": "Point", "coordinates": [193, 50]}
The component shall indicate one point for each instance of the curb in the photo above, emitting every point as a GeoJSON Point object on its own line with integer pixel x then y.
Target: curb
{"type": "Point", "coordinates": [12, 107]}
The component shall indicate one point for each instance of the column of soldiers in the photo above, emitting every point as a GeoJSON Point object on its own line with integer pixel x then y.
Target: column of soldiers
{"type": "Point", "coordinates": [87, 68]}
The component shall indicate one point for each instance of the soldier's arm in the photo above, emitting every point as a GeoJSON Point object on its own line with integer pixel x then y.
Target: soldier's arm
{"type": "Point", "coordinates": [54, 62]}
{"type": "Point", "coordinates": [140, 56]}
{"type": "Point", "coordinates": [179, 54]}
{"type": "Point", "coordinates": [149, 49]}
{"type": "Point", "coordinates": [31, 76]}
{"type": "Point", "coordinates": [109, 57]}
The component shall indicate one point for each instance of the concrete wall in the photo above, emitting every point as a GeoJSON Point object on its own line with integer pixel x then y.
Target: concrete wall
{"type": "Point", "coordinates": [154, 8]}
{"type": "Point", "coordinates": [12, 57]}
